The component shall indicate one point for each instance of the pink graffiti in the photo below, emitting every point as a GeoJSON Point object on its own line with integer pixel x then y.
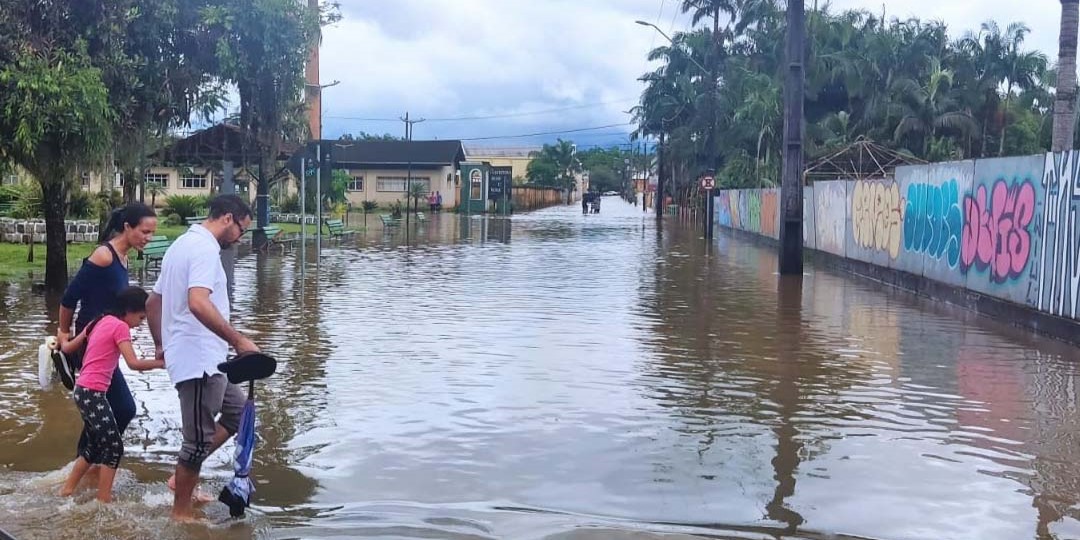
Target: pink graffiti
{"type": "Point", "coordinates": [995, 234]}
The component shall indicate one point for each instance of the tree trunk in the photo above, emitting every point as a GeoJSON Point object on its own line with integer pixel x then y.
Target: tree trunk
{"type": "Point", "coordinates": [54, 202]}
{"type": "Point", "coordinates": [1004, 120]}
{"type": "Point", "coordinates": [29, 242]}
{"type": "Point", "coordinates": [129, 184]}
{"type": "Point", "coordinates": [1065, 105]}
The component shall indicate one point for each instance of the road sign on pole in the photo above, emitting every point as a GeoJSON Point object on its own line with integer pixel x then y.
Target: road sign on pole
{"type": "Point", "coordinates": [708, 182]}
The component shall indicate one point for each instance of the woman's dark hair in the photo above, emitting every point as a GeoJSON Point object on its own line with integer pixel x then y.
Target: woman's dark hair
{"type": "Point", "coordinates": [129, 300]}
{"type": "Point", "coordinates": [131, 214]}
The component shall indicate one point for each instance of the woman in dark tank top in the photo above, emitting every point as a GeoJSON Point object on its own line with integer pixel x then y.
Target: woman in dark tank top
{"type": "Point", "coordinates": [100, 278]}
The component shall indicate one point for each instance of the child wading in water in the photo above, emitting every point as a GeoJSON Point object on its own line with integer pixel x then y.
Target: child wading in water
{"type": "Point", "coordinates": [106, 340]}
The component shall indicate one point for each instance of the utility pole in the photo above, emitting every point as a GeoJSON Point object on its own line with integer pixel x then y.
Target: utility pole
{"type": "Point", "coordinates": [645, 176]}
{"type": "Point", "coordinates": [408, 150]}
{"type": "Point", "coordinates": [791, 192]}
{"type": "Point", "coordinates": [318, 201]}
{"type": "Point", "coordinates": [660, 179]}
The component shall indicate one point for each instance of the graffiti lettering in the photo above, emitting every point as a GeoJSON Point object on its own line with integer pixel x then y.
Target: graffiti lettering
{"type": "Point", "coordinates": [1055, 281]}
{"type": "Point", "coordinates": [830, 217]}
{"type": "Point", "coordinates": [753, 208]}
{"type": "Point", "coordinates": [769, 209]}
{"type": "Point", "coordinates": [877, 216]}
{"type": "Point", "coordinates": [738, 208]}
{"type": "Point", "coordinates": [932, 221]}
{"type": "Point", "coordinates": [723, 209]}
{"type": "Point", "coordinates": [995, 234]}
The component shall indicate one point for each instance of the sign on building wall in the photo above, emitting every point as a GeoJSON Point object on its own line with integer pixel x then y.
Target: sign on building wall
{"type": "Point", "coordinates": [500, 180]}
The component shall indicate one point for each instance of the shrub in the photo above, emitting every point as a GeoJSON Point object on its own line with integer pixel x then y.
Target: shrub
{"type": "Point", "coordinates": [184, 206]}
{"type": "Point", "coordinates": [291, 205]}
{"type": "Point", "coordinates": [80, 204]}
{"type": "Point", "coordinates": [204, 202]}
{"type": "Point", "coordinates": [174, 220]}
{"type": "Point", "coordinates": [370, 206]}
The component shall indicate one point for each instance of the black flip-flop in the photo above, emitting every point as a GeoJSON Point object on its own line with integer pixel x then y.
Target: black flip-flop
{"type": "Point", "coordinates": [63, 369]}
{"type": "Point", "coordinates": [248, 367]}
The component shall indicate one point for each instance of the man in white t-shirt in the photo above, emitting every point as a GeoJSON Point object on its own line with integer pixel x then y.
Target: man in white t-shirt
{"type": "Point", "coordinates": [188, 315]}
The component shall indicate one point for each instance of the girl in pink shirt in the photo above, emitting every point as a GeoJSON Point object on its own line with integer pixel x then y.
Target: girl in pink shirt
{"type": "Point", "coordinates": [106, 339]}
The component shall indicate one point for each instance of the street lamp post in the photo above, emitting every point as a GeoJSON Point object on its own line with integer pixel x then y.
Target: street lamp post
{"type": "Point", "coordinates": [688, 56]}
{"type": "Point", "coordinates": [318, 175]}
{"type": "Point", "coordinates": [660, 148]}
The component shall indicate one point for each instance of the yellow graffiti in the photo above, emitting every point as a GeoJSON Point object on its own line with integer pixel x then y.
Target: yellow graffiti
{"type": "Point", "coordinates": [877, 216]}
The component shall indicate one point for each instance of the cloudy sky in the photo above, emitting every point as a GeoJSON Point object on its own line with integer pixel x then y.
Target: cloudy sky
{"type": "Point", "coordinates": [541, 66]}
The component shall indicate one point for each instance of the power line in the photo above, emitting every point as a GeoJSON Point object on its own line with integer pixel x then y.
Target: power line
{"type": "Point", "coordinates": [492, 116]}
{"type": "Point", "coordinates": [531, 113]}
{"type": "Point", "coordinates": [578, 130]}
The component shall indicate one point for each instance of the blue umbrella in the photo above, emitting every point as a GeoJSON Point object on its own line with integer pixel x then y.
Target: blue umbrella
{"type": "Point", "coordinates": [237, 493]}
{"type": "Point", "coordinates": [245, 368]}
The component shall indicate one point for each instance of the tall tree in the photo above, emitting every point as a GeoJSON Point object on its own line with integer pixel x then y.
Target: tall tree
{"type": "Point", "coordinates": [555, 165]}
{"type": "Point", "coordinates": [1019, 68]}
{"type": "Point", "coordinates": [262, 48]}
{"type": "Point", "coordinates": [1065, 105]}
{"type": "Point", "coordinates": [54, 116]}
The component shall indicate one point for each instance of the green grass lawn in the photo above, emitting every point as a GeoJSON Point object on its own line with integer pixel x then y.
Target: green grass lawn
{"type": "Point", "coordinates": [13, 256]}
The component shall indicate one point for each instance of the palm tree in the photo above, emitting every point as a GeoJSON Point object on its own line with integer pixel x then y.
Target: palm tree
{"type": "Point", "coordinates": [28, 206]}
{"type": "Point", "coordinates": [928, 108]}
{"type": "Point", "coordinates": [1018, 69]}
{"type": "Point", "coordinates": [762, 106]}
{"type": "Point", "coordinates": [416, 192]}
{"type": "Point", "coordinates": [154, 189]}
{"type": "Point", "coordinates": [1065, 106]}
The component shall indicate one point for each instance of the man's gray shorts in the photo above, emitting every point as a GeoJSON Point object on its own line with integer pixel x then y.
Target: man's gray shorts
{"type": "Point", "coordinates": [201, 400]}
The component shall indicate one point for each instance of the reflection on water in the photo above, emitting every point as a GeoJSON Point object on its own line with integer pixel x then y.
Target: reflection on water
{"type": "Point", "coordinates": [559, 375]}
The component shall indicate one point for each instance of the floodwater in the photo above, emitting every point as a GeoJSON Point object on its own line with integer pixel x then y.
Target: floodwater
{"type": "Point", "coordinates": [560, 376]}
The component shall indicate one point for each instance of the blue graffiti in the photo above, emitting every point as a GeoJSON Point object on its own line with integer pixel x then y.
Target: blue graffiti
{"type": "Point", "coordinates": [723, 209]}
{"type": "Point", "coordinates": [933, 221]}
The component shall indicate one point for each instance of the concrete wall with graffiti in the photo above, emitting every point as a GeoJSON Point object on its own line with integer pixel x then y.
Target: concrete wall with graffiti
{"type": "Point", "coordinates": [1007, 227]}
{"type": "Point", "coordinates": [751, 210]}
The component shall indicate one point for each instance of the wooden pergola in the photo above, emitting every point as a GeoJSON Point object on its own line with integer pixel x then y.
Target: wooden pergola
{"type": "Point", "coordinates": [217, 144]}
{"type": "Point", "coordinates": [861, 160]}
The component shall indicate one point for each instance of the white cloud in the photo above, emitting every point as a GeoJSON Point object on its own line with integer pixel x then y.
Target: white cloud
{"type": "Point", "coordinates": [1042, 16]}
{"type": "Point", "coordinates": [453, 58]}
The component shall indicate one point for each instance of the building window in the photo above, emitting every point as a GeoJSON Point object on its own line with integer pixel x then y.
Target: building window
{"type": "Point", "coordinates": [476, 188]}
{"type": "Point", "coordinates": [356, 184]}
{"type": "Point", "coordinates": [119, 179]}
{"type": "Point", "coordinates": [84, 180]}
{"type": "Point", "coordinates": [157, 178]}
{"type": "Point", "coordinates": [397, 183]}
{"type": "Point", "coordinates": [11, 180]}
{"type": "Point", "coordinates": [191, 180]}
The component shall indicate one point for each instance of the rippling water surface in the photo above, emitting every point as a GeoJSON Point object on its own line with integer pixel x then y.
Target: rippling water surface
{"type": "Point", "coordinates": [563, 376]}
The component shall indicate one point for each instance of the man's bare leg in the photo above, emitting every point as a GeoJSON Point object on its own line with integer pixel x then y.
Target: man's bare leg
{"type": "Point", "coordinates": [185, 479]}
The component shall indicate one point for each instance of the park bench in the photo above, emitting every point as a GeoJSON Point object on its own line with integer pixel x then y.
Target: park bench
{"type": "Point", "coordinates": [389, 220]}
{"type": "Point", "coordinates": [196, 220]}
{"type": "Point", "coordinates": [337, 229]}
{"type": "Point", "coordinates": [275, 236]}
{"type": "Point", "coordinates": [420, 217]}
{"type": "Point", "coordinates": [155, 250]}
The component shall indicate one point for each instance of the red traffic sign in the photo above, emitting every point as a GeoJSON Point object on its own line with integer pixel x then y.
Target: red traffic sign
{"type": "Point", "coordinates": [708, 182]}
